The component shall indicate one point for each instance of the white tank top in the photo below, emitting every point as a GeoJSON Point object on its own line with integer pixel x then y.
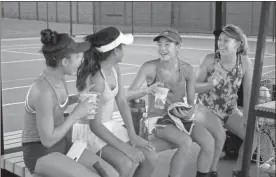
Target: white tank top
{"type": "Point", "coordinates": [108, 96]}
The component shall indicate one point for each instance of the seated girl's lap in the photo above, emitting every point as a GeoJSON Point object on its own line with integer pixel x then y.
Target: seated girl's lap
{"type": "Point", "coordinates": [236, 124]}
{"type": "Point", "coordinates": [170, 137]}
{"type": "Point", "coordinates": [210, 121]}
{"type": "Point", "coordinates": [57, 164]}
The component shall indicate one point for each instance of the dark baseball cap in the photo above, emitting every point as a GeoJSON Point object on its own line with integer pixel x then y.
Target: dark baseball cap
{"type": "Point", "coordinates": [170, 34]}
{"type": "Point", "coordinates": [231, 31]}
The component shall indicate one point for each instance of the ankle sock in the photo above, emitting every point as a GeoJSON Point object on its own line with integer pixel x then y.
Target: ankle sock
{"type": "Point", "coordinates": [199, 174]}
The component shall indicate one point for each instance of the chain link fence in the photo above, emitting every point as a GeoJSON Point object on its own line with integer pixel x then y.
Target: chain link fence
{"type": "Point", "coordinates": [137, 17]}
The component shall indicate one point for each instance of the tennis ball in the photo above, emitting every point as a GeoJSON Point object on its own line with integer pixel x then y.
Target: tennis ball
{"type": "Point", "coordinates": [265, 166]}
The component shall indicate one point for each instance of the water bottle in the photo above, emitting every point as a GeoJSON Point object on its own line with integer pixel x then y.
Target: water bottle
{"type": "Point", "coordinates": [143, 130]}
{"type": "Point", "coordinates": [137, 107]}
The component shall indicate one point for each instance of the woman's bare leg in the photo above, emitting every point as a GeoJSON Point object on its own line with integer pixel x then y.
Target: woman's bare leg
{"type": "Point", "coordinates": [89, 159]}
{"type": "Point", "coordinates": [207, 147]}
{"type": "Point", "coordinates": [147, 167]}
{"type": "Point", "coordinates": [119, 161]}
{"type": "Point", "coordinates": [214, 125]}
{"type": "Point", "coordinates": [237, 125]}
{"type": "Point", "coordinates": [183, 141]}
{"type": "Point", "coordinates": [59, 165]}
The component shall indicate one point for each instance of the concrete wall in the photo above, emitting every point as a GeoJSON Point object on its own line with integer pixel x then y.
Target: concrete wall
{"type": "Point", "coordinates": [187, 17]}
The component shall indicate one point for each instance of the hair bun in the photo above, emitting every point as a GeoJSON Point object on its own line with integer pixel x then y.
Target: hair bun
{"type": "Point", "coordinates": [48, 36]}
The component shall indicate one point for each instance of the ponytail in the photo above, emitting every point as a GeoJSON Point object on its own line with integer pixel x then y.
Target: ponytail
{"type": "Point", "coordinates": [88, 68]}
{"type": "Point", "coordinates": [243, 49]}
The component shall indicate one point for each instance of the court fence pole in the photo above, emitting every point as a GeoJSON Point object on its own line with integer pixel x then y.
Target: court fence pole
{"type": "Point", "coordinates": [19, 11]}
{"type": "Point", "coordinates": [36, 11]}
{"type": "Point", "coordinates": [71, 18]}
{"type": "Point", "coordinates": [2, 9]}
{"type": "Point", "coordinates": [258, 65]}
{"type": "Point", "coordinates": [47, 18]}
{"type": "Point", "coordinates": [132, 17]}
{"type": "Point", "coordinates": [220, 18]}
{"type": "Point", "coordinates": [94, 16]}
{"type": "Point", "coordinates": [1, 108]}
{"type": "Point", "coordinates": [274, 23]}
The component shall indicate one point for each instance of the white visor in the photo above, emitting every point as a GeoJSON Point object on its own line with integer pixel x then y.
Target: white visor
{"type": "Point", "coordinates": [121, 39]}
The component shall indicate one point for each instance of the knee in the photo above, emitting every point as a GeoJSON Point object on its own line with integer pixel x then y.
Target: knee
{"type": "Point", "coordinates": [220, 140]}
{"type": "Point", "coordinates": [125, 166]}
{"type": "Point", "coordinates": [207, 145]}
{"type": "Point", "coordinates": [152, 158]}
{"type": "Point", "coordinates": [185, 143]}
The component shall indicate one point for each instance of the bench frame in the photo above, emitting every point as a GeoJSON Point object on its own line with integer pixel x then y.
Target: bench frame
{"type": "Point", "coordinates": [12, 159]}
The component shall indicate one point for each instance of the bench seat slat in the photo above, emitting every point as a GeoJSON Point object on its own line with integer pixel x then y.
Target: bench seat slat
{"type": "Point", "coordinates": [12, 141]}
{"type": "Point", "coordinates": [9, 163]}
{"type": "Point", "coordinates": [13, 133]}
{"type": "Point", "coordinates": [12, 137]}
{"type": "Point", "coordinates": [19, 169]}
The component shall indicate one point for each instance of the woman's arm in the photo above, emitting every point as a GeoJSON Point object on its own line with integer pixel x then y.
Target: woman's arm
{"type": "Point", "coordinates": [190, 86]}
{"type": "Point", "coordinates": [135, 92]}
{"type": "Point", "coordinates": [123, 105]}
{"type": "Point", "coordinates": [126, 115]}
{"type": "Point", "coordinates": [96, 125]}
{"type": "Point", "coordinates": [201, 74]}
{"type": "Point", "coordinates": [247, 83]}
{"type": "Point", "coordinates": [44, 105]}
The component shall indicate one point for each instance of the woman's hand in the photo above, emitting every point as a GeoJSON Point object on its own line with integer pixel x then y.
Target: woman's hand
{"type": "Point", "coordinates": [135, 154]}
{"type": "Point", "coordinates": [215, 78]}
{"type": "Point", "coordinates": [86, 107]}
{"type": "Point", "coordinates": [153, 88]}
{"type": "Point", "coordinates": [139, 141]}
{"type": "Point", "coordinates": [87, 103]}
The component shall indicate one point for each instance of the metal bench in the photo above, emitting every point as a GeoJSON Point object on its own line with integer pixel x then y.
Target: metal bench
{"type": "Point", "coordinates": [12, 160]}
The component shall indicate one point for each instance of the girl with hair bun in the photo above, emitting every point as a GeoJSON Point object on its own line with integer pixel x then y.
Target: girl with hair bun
{"type": "Point", "coordinates": [44, 138]}
{"type": "Point", "coordinates": [218, 79]}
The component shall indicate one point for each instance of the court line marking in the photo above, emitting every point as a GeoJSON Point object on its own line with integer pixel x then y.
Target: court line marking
{"type": "Point", "coordinates": [124, 74]}
{"type": "Point", "coordinates": [40, 59]}
{"type": "Point", "coordinates": [23, 102]}
{"type": "Point", "coordinates": [68, 81]}
{"type": "Point", "coordinates": [22, 79]}
{"type": "Point", "coordinates": [141, 45]}
{"type": "Point", "coordinates": [31, 78]}
{"type": "Point", "coordinates": [25, 45]}
{"type": "Point", "coordinates": [22, 61]}
{"type": "Point", "coordinates": [11, 51]}
{"type": "Point", "coordinates": [16, 103]}
{"type": "Point", "coordinates": [199, 36]}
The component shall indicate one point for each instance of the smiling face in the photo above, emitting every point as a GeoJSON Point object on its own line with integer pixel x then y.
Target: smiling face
{"type": "Point", "coordinates": [167, 49]}
{"type": "Point", "coordinates": [227, 45]}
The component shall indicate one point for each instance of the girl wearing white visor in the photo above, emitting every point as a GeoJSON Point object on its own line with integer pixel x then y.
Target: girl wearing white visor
{"type": "Point", "coordinates": [119, 146]}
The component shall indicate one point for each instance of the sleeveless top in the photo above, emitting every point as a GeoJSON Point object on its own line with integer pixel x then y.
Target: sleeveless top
{"type": "Point", "coordinates": [30, 131]}
{"type": "Point", "coordinates": [177, 89]}
{"type": "Point", "coordinates": [222, 99]}
{"type": "Point", "coordinates": [108, 97]}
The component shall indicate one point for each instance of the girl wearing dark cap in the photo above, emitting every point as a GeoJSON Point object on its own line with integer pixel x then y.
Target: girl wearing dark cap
{"type": "Point", "coordinates": [45, 127]}
{"type": "Point", "coordinates": [119, 146]}
{"type": "Point", "coordinates": [171, 72]}
{"type": "Point", "coordinates": [218, 79]}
